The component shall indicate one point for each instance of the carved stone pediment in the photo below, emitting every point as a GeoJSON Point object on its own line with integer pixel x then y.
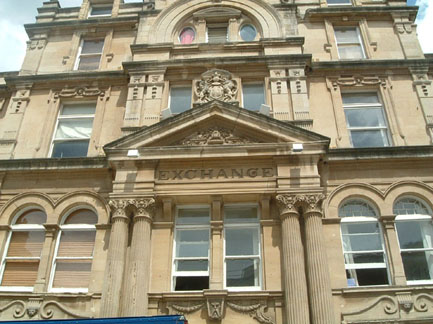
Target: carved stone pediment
{"type": "Point", "coordinates": [215, 136]}
{"type": "Point", "coordinates": [216, 85]}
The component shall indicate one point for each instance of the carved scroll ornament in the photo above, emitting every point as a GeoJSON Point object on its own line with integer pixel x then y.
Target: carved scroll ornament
{"type": "Point", "coordinates": [216, 85]}
{"type": "Point", "coordinates": [215, 136]}
{"type": "Point", "coordinates": [80, 92]}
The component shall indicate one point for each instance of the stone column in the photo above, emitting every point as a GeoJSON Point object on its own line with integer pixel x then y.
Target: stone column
{"type": "Point", "coordinates": [110, 303]}
{"type": "Point", "coordinates": [295, 282]}
{"type": "Point", "coordinates": [319, 285]}
{"type": "Point", "coordinates": [135, 300]}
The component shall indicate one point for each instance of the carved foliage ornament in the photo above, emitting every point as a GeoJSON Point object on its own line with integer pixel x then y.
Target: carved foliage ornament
{"type": "Point", "coordinates": [216, 85]}
{"type": "Point", "coordinates": [145, 206]}
{"type": "Point", "coordinates": [215, 136]}
{"type": "Point", "coordinates": [357, 81]}
{"type": "Point", "coordinates": [292, 203]}
{"type": "Point", "coordinates": [79, 92]}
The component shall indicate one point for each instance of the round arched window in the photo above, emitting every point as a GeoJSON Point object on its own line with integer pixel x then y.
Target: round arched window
{"type": "Point", "coordinates": [187, 35]}
{"type": "Point", "coordinates": [248, 33]}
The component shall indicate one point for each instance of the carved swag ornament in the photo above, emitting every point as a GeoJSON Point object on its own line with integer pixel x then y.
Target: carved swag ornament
{"type": "Point", "coordinates": [216, 84]}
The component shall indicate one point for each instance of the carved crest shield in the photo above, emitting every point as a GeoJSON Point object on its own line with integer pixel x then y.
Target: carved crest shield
{"type": "Point", "coordinates": [216, 84]}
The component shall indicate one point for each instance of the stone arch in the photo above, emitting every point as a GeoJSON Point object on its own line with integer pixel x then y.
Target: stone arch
{"type": "Point", "coordinates": [408, 188]}
{"type": "Point", "coordinates": [85, 199]}
{"type": "Point", "coordinates": [345, 192]}
{"type": "Point", "coordinates": [24, 201]}
{"type": "Point", "coordinates": [263, 14]}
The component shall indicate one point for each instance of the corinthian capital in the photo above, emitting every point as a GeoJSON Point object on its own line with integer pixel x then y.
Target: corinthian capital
{"type": "Point", "coordinates": [118, 206]}
{"type": "Point", "coordinates": [312, 203]}
{"type": "Point", "coordinates": [145, 206]}
{"type": "Point", "coordinates": [287, 204]}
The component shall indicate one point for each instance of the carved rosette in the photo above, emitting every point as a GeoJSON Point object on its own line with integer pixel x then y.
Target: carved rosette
{"type": "Point", "coordinates": [216, 85]}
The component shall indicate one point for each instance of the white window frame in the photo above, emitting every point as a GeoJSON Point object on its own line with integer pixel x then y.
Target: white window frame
{"type": "Point", "coordinates": [79, 54]}
{"type": "Point", "coordinates": [174, 273]}
{"type": "Point", "coordinates": [19, 228]}
{"type": "Point", "coordinates": [366, 106]}
{"type": "Point", "coordinates": [375, 265]}
{"type": "Point", "coordinates": [70, 227]}
{"type": "Point", "coordinates": [91, 15]}
{"type": "Point", "coordinates": [251, 225]}
{"type": "Point", "coordinates": [262, 83]}
{"type": "Point", "coordinates": [415, 218]}
{"type": "Point", "coordinates": [359, 41]}
{"type": "Point", "coordinates": [81, 117]}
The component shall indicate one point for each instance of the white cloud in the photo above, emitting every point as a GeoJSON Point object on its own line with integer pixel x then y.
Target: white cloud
{"type": "Point", "coordinates": [13, 39]}
{"type": "Point", "coordinates": [425, 25]}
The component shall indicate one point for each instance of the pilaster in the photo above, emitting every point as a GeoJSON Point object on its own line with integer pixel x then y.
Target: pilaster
{"type": "Point", "coordinates": [406, 31]}
{"type": "Point", "coordinates": [280, 94]}
{"type": "Point", "coordinates": [320, 293]}
{"type": "Point", "coordinates": [135, 290]}
{"type": "Point", "coordinates": [114, 273]}
{"type": "Point", "coordinates": [295, 281]}
{"type": "Point", "coordinates": [47, 250]}
{"type": "Point", "coordinates": [216, 264]}
{"type": "Point", "coordinates": [299, 93]}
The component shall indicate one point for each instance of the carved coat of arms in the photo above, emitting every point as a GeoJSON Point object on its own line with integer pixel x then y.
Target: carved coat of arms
{"type": "Point", "coordinates": [216, 84]}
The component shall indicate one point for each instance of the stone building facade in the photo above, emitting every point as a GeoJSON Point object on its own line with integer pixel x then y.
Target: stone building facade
{"type": "Point", "coordinates": [254, 161]}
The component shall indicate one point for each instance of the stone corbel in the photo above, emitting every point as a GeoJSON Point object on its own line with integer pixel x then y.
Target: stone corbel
{"type": "Point", "coordinates": [109, 57]}
{"type": "Point", "coordinates": [215, 303]}
{"type": "Point", "coordinates": [405, 301]}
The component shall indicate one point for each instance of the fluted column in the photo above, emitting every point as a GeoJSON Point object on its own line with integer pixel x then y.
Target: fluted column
{"type": "Point", "coordinates": [135, 301]}
{"type": "Point", "coordinates": [110, 303]}
{"type": "Point", "coordinates": [295, 283]}
{"type": "Point", "coordinates": [321, 306]}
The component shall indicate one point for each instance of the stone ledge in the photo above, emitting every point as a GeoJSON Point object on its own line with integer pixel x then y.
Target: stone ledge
{"type": "Point", "coordinates": [54, 164]}
{"type": "Point", "coordinates": [368, 153]}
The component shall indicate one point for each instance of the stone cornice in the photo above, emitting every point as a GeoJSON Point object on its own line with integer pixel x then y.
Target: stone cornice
{"type": "Point", "coordinates": [370, 64]}
{"type": "Point", "coordinates": [54, 164]}
{"type": "Point", "coordinates": [393, 152]}
{"type": "Point", "coordinates": [361, 11]}
{"type": "Point", "coordinates": [69, 76]}
{"type": "Point", "coordinates": [293, 59]}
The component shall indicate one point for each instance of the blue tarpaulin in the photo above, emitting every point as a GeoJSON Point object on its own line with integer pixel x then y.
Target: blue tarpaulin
{"type": "Point", "coordinates": [176, 319]}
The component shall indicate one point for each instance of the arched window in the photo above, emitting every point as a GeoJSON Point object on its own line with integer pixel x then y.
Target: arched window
{"type": "Point", "coordinates": [363, 248]}
{"type": "Point", "coordinates": [74, 252]}
{"type": "Point", "coordinates": [20, 262]}
{"type": "Point", "coordinates": [415, 236]}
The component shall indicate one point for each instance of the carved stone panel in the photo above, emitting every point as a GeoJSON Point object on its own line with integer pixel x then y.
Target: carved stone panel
{"type": "Point", "coordinates": [216, 85]}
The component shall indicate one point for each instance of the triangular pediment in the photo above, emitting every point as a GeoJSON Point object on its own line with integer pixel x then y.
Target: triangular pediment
{"type": "Point", "coordinates": [216, 124]}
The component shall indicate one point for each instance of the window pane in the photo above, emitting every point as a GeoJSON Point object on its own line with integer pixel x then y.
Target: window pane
{"type": "Point", "coordinates": [415, 234]}
{"type": "Point", "coordinates": [33, 216]}
{"type": "Point", "coordinates": [248, 33]}
{"type": "Point", "coordinates": [357, 258]}
{"type": "Point", "coordinates": [365, 117]}
{"type": "Point", "coordinates": [20, 273]}
{"type": "Point", "coordinates": [99, 11]}
{"type": "Point", "coordinates": [243, 241]}
{"type": "Point", "coordinates": [89, 62]}
{"type": "Point", "coordinates": [92, 46]}
{"type": "Point", "coordinates": [79, 109]}
{"type": "Point", "coordinates": [369, 138]}
{"type": "Point", "coordinates": [360, 98]}
{"type": "Point", "coordinates": [410, 206]}
{"type": "Point", "coordinates": [359, 228]}
{"type": "Point", "coordinates": [192, 265]}
{"type": "Point", "coordinates": [72, 274]}
{"type": "Point", "coordinates": [418, 265]}
{"type": "Point", "coordinates": [240, 214]}
{"type": "Point", "coordinates": [82, 216]}
{"type": "Point", "coordinates": [362, 242]}
{"type": "Point", "coordinates": [253, 95]}
{"type": "Point", "coordinates": [367, 277]}
{"type": "Point", "coordinates": [26, 244]}
{"type": "Point", "coordinates": [191, 283]}
{"type": "Point", "coordinates": [180, 99]}
{"type": "Point", "coordinates": [76, 244]}
{"type": "Point", "coordinates": [192, 243]}
{"type": "Point", "coordinates": [74, 128]}
{"type": "Point", "coordinates": [217, 34]}
{"type": "Point", "coordinates": [350, 51]}
{"type": "Point", "coordinates": [70, 149]}
{"type": "Point", "coordinates": [196, 216]}
{"type": "Point", "coordinates": [346, 35]}
{"type": "Point", "coordinates": [356, 208]}
{"type": "Point", "coordinates": [241, 273]}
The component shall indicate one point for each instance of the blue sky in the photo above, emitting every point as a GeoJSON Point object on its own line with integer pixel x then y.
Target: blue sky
{"type": "Point", "coordinates": [15, 13]}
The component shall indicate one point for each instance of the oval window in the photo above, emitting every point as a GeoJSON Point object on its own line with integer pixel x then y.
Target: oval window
{"type": "Point", "coordinates": [248, 33]}
{"type": "Point", "coordinates": [187, 35]}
